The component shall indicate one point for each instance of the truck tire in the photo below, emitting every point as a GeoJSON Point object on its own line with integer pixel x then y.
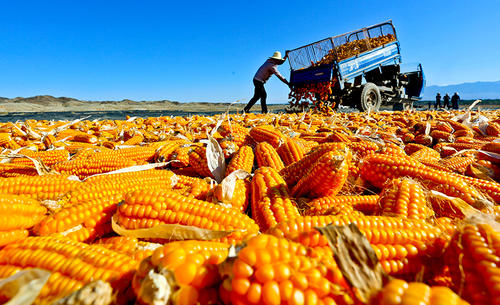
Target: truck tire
{"type": "Point", "coordinates": [370, 99]}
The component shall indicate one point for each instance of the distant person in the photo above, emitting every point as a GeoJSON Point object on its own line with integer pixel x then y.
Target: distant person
{"type": "Point", "coordinates": [446, 101]}
{"type": "Point", "coordinates": [265, 71]}
{"type": "Point", "coordinates": [438, 101]}
{"type": "Point", "coordinates": [454, 101]}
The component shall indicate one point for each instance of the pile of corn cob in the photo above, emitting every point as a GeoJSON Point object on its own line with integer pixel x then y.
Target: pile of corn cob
{"type": "Point", "coordinates": [224, 209]}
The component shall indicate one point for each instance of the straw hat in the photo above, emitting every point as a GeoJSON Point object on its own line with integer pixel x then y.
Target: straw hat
{"type": "Point", "coordinates": [277, 55]}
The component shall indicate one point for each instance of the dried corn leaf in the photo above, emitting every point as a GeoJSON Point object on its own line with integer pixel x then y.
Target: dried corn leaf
{"type": "Point", "coordinates": [215, 159]}
{"type": "Point", "coordinates": [24, 286]}
{"type": "Point", "coordinates": [94, 293]}
{"type": "Point", "coordinates": [40, 167]}
{"type": "Point", "coordinates": [65, 126]}
{"type": "Point", "coordinates": [356, 259]}
{"type": "Point", "coordinates": [170, 232]}
{"type": "Point", "coordinates": [482, 172]}
{"type": "Point", "coordinates": [473, 105]}
{"type": "Point", "coordinates": [229, 183]}
{"type": "Point", "coordinates": [490, 155]}
{"type": "Point", "coordinates": [158, 286]}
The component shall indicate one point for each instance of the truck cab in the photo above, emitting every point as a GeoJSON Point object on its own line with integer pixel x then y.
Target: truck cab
{"type": "Point", "coordinates": [359, 69]}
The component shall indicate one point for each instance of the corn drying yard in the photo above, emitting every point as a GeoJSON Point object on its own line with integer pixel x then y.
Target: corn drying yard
{"type": "Point", "coordinates": [236, 209]}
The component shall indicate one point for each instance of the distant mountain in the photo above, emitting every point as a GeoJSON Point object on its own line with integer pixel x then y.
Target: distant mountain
{"type": "Point", "coordinates": [466, 91]}
{"type": "Point", "coordinates": [47, 103]}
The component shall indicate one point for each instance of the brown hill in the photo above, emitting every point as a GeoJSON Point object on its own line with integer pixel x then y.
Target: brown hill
{"type": "Point", "coordinates": [47, 103]}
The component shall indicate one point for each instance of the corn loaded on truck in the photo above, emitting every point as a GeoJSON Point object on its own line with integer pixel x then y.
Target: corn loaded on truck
{"type": "Point", "coordinates": [362, 69]}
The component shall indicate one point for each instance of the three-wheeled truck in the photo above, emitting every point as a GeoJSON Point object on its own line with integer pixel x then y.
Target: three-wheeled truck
{"type": "Point", "coordinates": [363, 68]}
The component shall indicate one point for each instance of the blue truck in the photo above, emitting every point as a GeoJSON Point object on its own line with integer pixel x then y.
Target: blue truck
{"type": "Point", "coordinates": [363, 68]}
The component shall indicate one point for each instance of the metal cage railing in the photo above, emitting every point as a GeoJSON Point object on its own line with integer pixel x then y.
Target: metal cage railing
{"type": "Point", "coordinates": [341, 47]}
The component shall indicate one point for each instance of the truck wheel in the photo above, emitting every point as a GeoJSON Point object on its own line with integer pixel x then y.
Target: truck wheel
{"type": "Point", "coordinates": [370, 99]}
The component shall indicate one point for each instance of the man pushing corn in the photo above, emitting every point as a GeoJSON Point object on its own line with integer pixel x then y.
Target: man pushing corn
{"type": "Point", "coordinates": [265, 71]}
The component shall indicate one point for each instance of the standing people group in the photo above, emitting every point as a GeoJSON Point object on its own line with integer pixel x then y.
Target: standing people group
{"type": "Point", "coordinates": [446, 101]}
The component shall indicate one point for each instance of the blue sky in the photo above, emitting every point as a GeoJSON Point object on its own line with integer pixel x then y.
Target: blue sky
{"type": "Point", "coordinates": [208, 51]}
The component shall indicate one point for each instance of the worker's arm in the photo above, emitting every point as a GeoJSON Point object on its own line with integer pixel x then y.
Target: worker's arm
{"type": "Point", "coordinates": [278, 74]}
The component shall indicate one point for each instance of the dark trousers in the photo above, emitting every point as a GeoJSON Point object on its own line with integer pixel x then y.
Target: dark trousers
{"type": "Point", "coordinates": [259, 93]}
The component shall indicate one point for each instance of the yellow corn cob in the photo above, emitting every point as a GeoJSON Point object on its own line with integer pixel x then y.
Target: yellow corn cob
{"type": "Point", "coordinates": [392, 149]}
{"type": "Point", "coordinates": [243, 159]}
{"type": "Point", "coordinates": [362, 148]}
{"type": "Point", "coordinates": [39, 187]}
{"type": "Point", "coordinates": [16, 170]}
{"type": "Point", "coordinates": [400, 248]}
{"type": "Point", "coordinates": [266, 155]}
{"type": "Point", "coordinates": [235, 132]}
{"type": "Point", "coordinates": [493, 147]}
{"type": "Point", "coordinates": [493, 129]}
{"type": "Point", "coordinates": [193, 265]}
{"type": "Point", "coordinates": [76, 136]}
{"type": "Point", "coordinates": [81, 233]}
{"type": "Point", "coordinates": [192, 187]}
{"type": "Point", "coordinates": [270, 270]}
{"type": "Point", "coordinates": [72, 265]}
{"type": "Point", "coordinates": [437, 165]}
{"type": "Point", "coordinates": [490, 188]}
{"type": "Point", "coordinates": [240, 196]}
{"type": "Point", "coordinates": [167, 149]}
{"type": "Point", "coordinates": [473, 257]}
{"type": "Point", "coordinates": [320, 137]}
{"type": "Point", "coordinates": [116, 184]}
{"type": "Point", "coordinates": [404, 198]}
{"type": "Point", "coordinates": [400, 292]}
{"type": "Point", "coordinates": [229, 147]}
{"type": "Point", "coordinates": [463, 133]}
{"type": "Point", "coordinates": [7, 237]}
{"type": "Point", "coordinates": [307, 145]}
{"type": "Point", "coordinates": [84, 167]}
{"type": "Point", "coordinates": [148, 208]}
{"type": "Point", "coordinates": [49, 141]}
{"type": "Point", "coordinates": [464, 146]}
{"type": "Point", "coordinates": [459, 163]}
{"type": "Point", "coordinates": [198, 160]}
{"type": "Point", "coordinates": [291, 151]}
{"type": "Point", "coordinates": [338, 136]}
{"type": "Point", "coordinates": [74, 147]}
{"type": "Point", "coordinates": [439, 135]}
{"type": "Point", "coordinates": [134, 140]}
{"type": "Point", "coordinates": [19, 212]}
{"type": "Point", "coordinates": [334, 205]}
{"type": "Point", "coordinates": [421, 152]}
{"type": "Point", "coordinates": [137, 250]}
{"type": "Point", "coordinates": [6, 141]}
{"type": "Point", "coordinates": [326, 177]}
{"type": "Point", "coordinates": [443, 126]}
{"type": "Point", "coordinates": [424, 139]}
{"type": "Point", "coordinates": [456, 125]}
{"type": "Point", "coordinates": [297, 170]}
{"type": "Point", "coordinates": [271, 202]}
{"type": "Point", "coordinates": [267, 133]}
{"type": "Point", "coordinates": [377, 169]}
{"type": "Point", "coordinates": [49, 157]}
{"type": "Point", "coordinates": [139, 154]}
{"type": "Point", "coordinates": [90, 214]}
